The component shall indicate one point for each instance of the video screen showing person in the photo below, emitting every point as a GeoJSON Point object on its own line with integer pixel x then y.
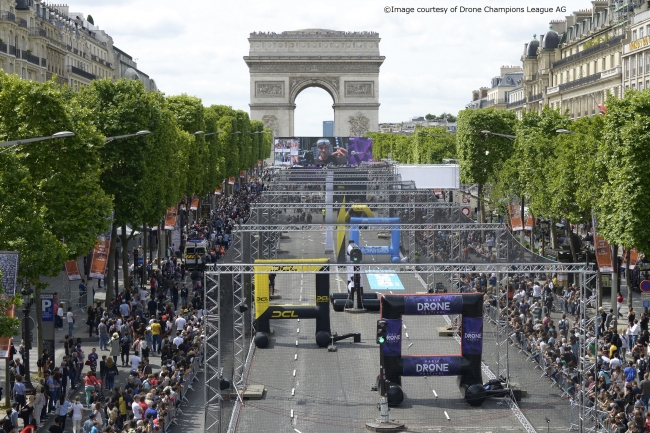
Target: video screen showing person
{"type": "Point", "coordinates": [322, 151]}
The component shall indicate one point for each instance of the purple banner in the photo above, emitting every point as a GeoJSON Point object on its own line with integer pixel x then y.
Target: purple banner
{"type": "Point", "coordinates": [432, 365]}
{"type": "Point", "coordinates": [393, 344]}
{"type": "Point", "coordinates": [433, 304]}
{"type": "Point", "coordinates": [472, 339]}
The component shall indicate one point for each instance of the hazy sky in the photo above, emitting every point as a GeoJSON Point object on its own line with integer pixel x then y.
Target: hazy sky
{"type": "Point", "coordinates": [433, 60]}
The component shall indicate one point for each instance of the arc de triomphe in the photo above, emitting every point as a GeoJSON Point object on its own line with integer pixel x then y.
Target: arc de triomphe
{"type": "Point", "coordinates": [345, 64]}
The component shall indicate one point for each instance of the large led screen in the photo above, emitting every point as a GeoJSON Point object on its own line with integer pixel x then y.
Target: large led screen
{"type": "Point", "coordinates": [322, 151]}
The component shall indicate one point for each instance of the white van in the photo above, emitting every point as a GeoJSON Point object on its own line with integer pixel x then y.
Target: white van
{"type": "Point", "coordinates": [193, 253]}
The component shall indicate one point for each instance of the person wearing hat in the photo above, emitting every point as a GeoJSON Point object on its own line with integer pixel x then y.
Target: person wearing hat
{"type": "Point", "coordinates": [89, 424]}
{"type": "Point", "coordinates": [114, 343]}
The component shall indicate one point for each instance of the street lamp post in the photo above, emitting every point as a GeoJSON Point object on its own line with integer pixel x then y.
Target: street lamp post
{"type": "Point", "coordinates": [26, 293]}
{"type": "Point", "coordinates": [62, 134]}
{"type": "Point", "coordinates": [117, 137]}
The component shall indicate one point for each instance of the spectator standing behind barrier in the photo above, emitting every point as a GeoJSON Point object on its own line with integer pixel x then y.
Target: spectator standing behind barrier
{"type": "Point", "coordinates": [70, 319]}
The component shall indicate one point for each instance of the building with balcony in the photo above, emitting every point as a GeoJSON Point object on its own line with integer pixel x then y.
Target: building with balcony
{"type": "Point", "coordinates": [408, 127]}
{"type": "Point", "coordinates": [636, 54]}
{"type": "Point", "coordinates": [39, 41]}
{"type": "Point", "coordinates": [128, 68]}
{"type": "Point", "coordinates": [577, 64]}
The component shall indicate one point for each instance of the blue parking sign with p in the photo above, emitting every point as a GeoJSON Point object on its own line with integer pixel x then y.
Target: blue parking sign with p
{"type": "Point", "coordinates": [47, 308]}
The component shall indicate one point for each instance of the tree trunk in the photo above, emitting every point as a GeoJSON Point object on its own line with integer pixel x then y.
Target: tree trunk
{"type": "Point", "coordinates": [145, 248]}
{"type": "Point", "coordinates": [553, 234]}
{"type": "Point", "coordinates": [39, 323]}
{"type": "Point", "coordinates": [627, 277]}
{"type": "Point", "coordinates": [481, 205]}
{"type": "Point", "coordinates": [522, 234]}
{"type": "Point", "coordinates": [112, 265]}
{"type": "Point", "coordinates": [125, 259]}
{"type": "Point", "coordinates": [574, 253]}
{"type": "Point", "coordinates": [160, 245]}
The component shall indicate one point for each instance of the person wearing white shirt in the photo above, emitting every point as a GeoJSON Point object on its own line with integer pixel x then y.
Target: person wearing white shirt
{"type": "Point", "coordinates": [136, 408]}
{"type": "Point", "coordinates": [135, 361]}
{"type": "Point", "coordinates": [178, 340]}
{"type": "Point", "coordinates": [537, 291]}
{"type": "Point", "coordinates": [180, 323]}
{"type": "Point", "coordinates": [614, 362]}
{"type": "Point", "coordinates": [633, 332]}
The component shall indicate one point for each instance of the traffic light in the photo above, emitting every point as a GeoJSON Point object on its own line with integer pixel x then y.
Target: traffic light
{"type": "Point", "coordinates": [356, 255]}
{"type": "Point", "coordinates": [381, 331]}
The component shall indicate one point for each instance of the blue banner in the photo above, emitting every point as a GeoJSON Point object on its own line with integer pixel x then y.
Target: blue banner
{"type": "Point", "coordinates": [393, 344]}
{"type": "Point", "coordinates": [384, 281]}
{"type": "Point", "coordinates": [472, 338]}
{"type": "Point", "coordinates": [432, 365]}
{"type": "Point", "coordinates": [433, 305]}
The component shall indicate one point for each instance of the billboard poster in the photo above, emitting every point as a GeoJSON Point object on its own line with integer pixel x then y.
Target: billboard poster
{"type": "Point", "coordinates": [433, 305]}
{"type": "Point", "coordinates": [47, 308]}
{"type": "Point", "coordinates": [231, 180]}
{"type": "Point", "coordinates": [170, 218]}
{"type": "Point", "coordinates": [322, 151]}
{"type": "Point", "coordinates": [393, 344]}
{"type": "Point", "coordinates": [530, 222]}
{"type": "Point", "coordinates": [5, 342]}
{"type": "Point", "coordinates": [72, 270]}
{"type": "Point", "coordinates": [9, 268]}
{"type": "Point", "coordinates": [472, 341]}
{"type": "Point", "coordinates": [100, 256]}
{"type": "Point", "coordinates": [195, 203]}
{"type": "Point", "coordinates": [514, 209]}
{"type": "Point", "coordinates": [603, 250]}
{"type": "Point", "coordinates": [432, 365]}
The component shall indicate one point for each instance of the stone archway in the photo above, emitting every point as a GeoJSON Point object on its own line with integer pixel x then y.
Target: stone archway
{"type": "Point", "coordinates": [345, 64]}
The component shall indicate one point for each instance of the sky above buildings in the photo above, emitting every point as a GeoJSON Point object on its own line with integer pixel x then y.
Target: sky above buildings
{"type": "Point", "coordinates": [433, 59]}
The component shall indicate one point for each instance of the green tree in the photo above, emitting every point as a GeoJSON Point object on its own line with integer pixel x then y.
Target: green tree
{"type": "Point", "coordinates": [432, 145]}
{"type": "Point", "coordinates": [121, 108]}
{"type": "Point", "coordinates": [625, 151]}
{"type": "Point", "coordinates": [482, 155]}
{"type": "Point", "coordinates": [59, 178]}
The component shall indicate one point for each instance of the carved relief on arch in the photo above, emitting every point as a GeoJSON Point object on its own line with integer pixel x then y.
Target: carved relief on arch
{"type": "Point", "coordinates": [331, 84]}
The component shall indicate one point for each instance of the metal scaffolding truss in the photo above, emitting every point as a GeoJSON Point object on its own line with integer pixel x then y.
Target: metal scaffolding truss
{"type": "Point", "coordinates": [211, 351]}
{"type": "Point", "coordinates": [440, 268]}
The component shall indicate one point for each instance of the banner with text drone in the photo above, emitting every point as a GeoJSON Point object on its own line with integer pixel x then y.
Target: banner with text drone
{"type": "Point", "coordinates": [467, 365]}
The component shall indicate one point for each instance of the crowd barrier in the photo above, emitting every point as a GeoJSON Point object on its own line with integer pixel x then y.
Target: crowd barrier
{"type": "Point", "coordinates": [186, 385]}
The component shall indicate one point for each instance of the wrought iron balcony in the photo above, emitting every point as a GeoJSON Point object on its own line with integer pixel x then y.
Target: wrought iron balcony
{"type": "Point", "coordinates": [515, 103]}
{"type": "Point", "coordinates": [44, 62]}
{"type": "Point", "coordinates": [12, 50]}
{"type": "Point", "coordinates": [21, 22]}
{"type": "Point", "coordinates": [26, 55]}
{"type": "Point", "coordinates": [3, 47]}
{"type": "Point", "coordinates": [580, 82]}
{"type": "Point", "coordinates": [591, 50]}
{"type": "Point", "coordinates": [81, 72]}
{"type": "Point", "coordinates": [37, 31]}
{"type": "Point", "coordinates": [7, 16]}
{"type": "Point", "coordinates": [533, 98]}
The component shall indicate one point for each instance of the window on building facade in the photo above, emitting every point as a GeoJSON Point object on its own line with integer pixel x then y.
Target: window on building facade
{"type": "Point", "coordinates": [633, 86]}
{"type": "Point", "coordinates": [640, 63]}
{"type": "Point", "coordinates": [627, 67]}
{"type": "Point", "coordinates": [640, 32]}
{"type": "Point", "coordinates": [647, 84]}
{"type": "Point", "coordinates": [640, 85]}
{"type": "Point", "coordinates": [634, 35]}
{"type": "Point", "coordinates": [633, 67]}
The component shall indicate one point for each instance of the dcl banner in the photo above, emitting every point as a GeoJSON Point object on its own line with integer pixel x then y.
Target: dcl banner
{"type": "Point", "coordinates": [432, 365]}
{"type": "Point", "coordinates": [433, 305]}
{"type": "Point", "coordinates": [195, 203]}
{"type": "Point", "coordinates": [603, 250]}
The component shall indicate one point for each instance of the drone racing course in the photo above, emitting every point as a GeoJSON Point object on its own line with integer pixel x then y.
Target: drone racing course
{"type": "Point", "coordinates": [467, 365]}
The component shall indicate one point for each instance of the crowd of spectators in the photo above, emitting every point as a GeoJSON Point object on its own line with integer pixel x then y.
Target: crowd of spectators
{"type": "Point", "coordinates": [164, 322]}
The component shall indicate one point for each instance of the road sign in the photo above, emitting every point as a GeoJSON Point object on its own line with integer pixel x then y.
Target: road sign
{"type": "Point", "coordinates": [466, 211]}
{"type": "Point", "coordinates": [465, 199]}
{"type": "Point", "coordinates": [47, 308]}
{"type": "Point", "coordinates": [645, 286]}
{"type": "Point", "coordinates": [646, 304]}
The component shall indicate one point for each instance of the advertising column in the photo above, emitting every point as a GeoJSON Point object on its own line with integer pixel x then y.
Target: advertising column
{"type": "Point", "coordinates": [47, 314]}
